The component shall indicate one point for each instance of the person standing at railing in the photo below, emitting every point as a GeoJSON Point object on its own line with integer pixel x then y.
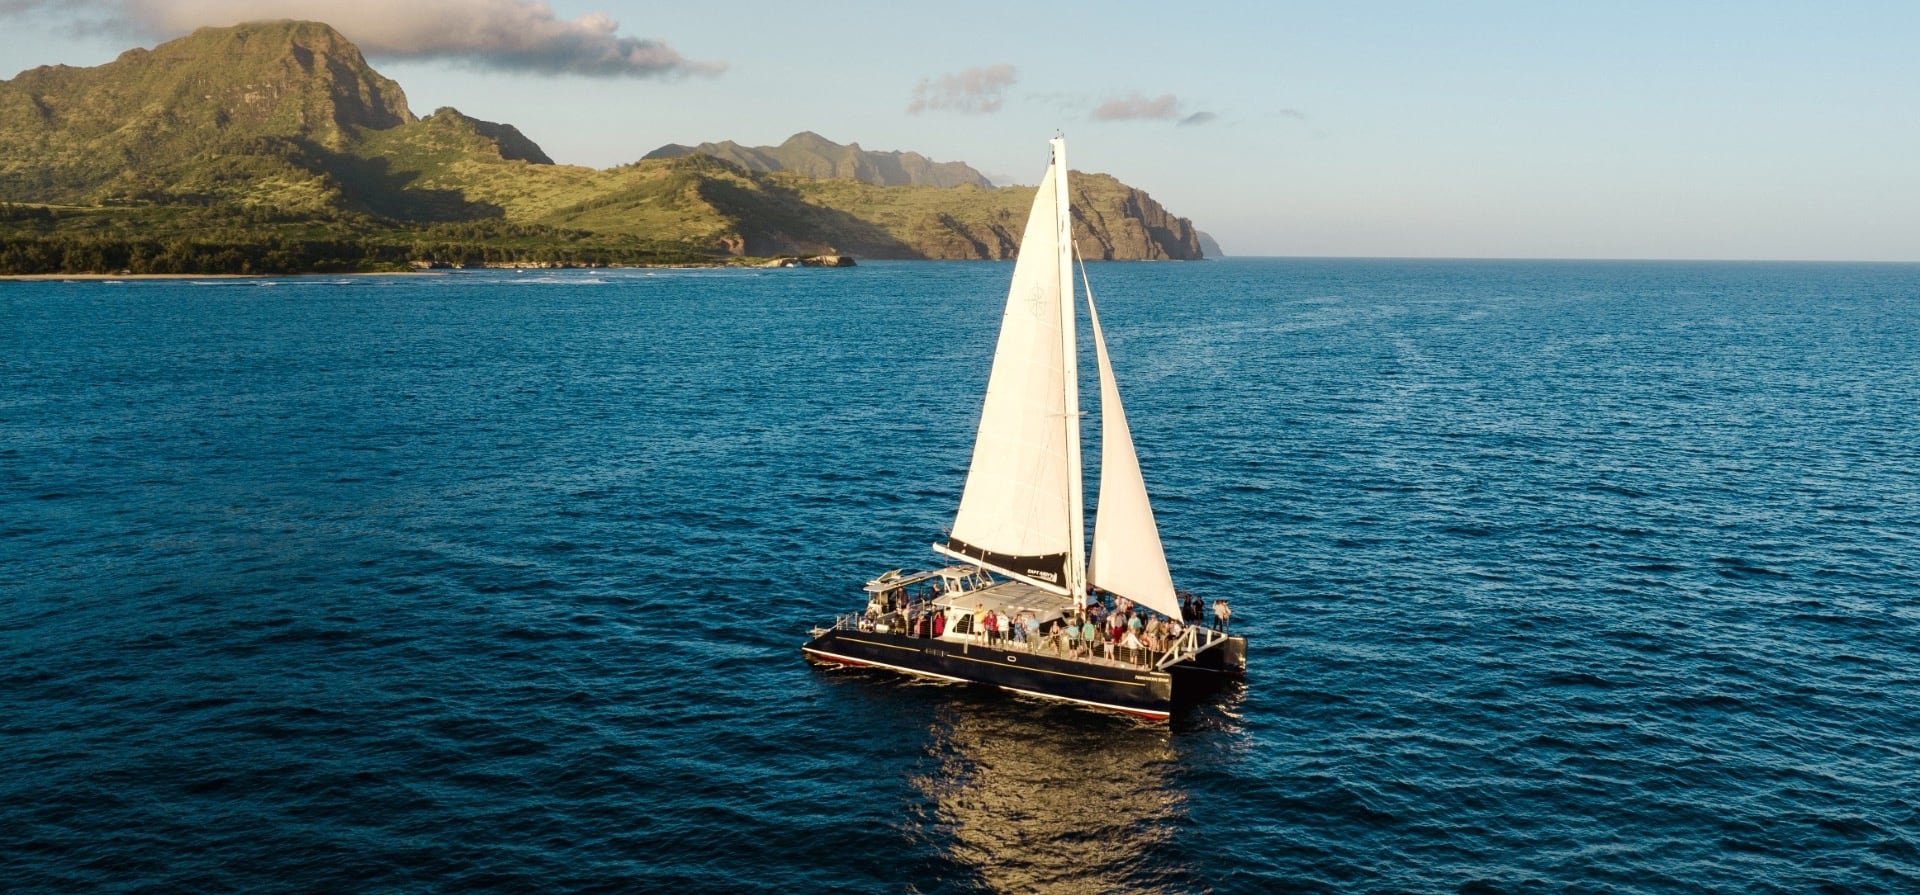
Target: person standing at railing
{"type": "Point", "coordinates": [1222, 615]}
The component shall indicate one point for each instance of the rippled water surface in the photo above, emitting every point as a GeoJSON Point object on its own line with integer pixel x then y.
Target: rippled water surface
{"type": "Point", "coordinates": [1558, 577]}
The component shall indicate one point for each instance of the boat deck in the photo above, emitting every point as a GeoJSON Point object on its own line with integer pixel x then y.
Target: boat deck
{"type": "Point", "coordinates": [1193, 640]}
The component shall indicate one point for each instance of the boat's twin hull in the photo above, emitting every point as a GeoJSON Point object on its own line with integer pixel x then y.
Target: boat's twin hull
{"type": "Point", "coordinates": [1138, 691]}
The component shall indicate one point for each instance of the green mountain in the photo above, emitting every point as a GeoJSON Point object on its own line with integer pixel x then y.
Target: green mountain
{"type": "Point", "coordinates": [281, 131]}
{"type": "Point", "coordinates": [811, 155]}
{"type": "Point", "coordinates": [235, 113]}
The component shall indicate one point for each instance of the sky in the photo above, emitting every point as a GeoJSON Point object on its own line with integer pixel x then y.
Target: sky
{"type": "Point", "coordinates": [1686, 130]}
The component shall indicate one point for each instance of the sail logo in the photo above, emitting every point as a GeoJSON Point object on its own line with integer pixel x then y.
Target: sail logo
{"type": "Point", "coordinates": [1037, 300]}
{"type": "Point", "coordinates": [1049, 577]}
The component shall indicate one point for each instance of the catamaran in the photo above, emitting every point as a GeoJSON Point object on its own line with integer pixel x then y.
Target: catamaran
{"type": "Point", "coordinates": [1012, 607]}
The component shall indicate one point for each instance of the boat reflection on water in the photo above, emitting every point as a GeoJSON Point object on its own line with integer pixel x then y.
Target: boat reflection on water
{"type": "Point", "coordinates": [1040, 799]}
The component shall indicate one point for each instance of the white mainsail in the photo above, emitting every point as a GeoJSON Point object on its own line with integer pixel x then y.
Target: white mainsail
{"type": "Point", "coordinates": [1127, 556]}
{"type": "Point", "coordinates": [1021, 510]}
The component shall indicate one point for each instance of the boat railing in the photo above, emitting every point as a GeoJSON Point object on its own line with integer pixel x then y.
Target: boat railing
{"type": "Point", "coordinates": [1193, 640]}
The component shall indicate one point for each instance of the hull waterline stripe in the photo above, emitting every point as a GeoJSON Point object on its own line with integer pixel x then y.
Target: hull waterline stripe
{"type": "Point", "coordinates": [848, 660]}
{"type": "Point", "coordinates": [1144, 713]}
{"type": "Point", "coordinates": [908, 649]}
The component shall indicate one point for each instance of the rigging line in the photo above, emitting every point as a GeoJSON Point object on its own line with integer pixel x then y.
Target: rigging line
{"type": "Point", "coordinates": [1093, 321]}
{"type": "Point", "coordinates": [1084, 282]}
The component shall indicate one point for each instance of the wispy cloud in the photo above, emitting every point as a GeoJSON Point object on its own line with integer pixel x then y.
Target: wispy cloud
{"type": "Point", "coordinates": [1136, 106]}
{"type": "Point", "coordinates": [513, 35]}
{"type": "Point", "coordinates": [1139, 107]}
{"type": "Point", "coordinates": [973, 91]}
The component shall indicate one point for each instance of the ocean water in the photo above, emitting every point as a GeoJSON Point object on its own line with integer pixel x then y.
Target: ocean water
{"type": "Point", "coordinates": [1558, 577]}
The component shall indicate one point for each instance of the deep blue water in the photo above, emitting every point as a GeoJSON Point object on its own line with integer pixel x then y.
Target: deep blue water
{"type": "Point", "coordinates": [1559, 577]}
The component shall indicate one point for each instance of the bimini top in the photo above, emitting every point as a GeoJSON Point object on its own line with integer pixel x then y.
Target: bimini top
{"type": "Point", "coordinates": [1011, 597]}
{"type": "Point", "coordinates": [899, 578]}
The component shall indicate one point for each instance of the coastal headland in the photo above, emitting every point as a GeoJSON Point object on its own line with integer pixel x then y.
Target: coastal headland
{"type": "Point", "coordinates": [274, 147]}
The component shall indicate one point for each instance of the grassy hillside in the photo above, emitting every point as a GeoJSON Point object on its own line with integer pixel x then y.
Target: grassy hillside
{"type": "Point", "coordinates": [160, 124]}
{"type": "Point", "coordinates": [277, 141]}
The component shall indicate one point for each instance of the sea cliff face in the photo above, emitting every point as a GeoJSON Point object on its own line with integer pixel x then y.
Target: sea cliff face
{"type": "Point", "coordinates": [1111, 221]}
{"type": "Point", "coordinates": [901, 205]}
{"type": "Point", "coordinates": [1127, 224]}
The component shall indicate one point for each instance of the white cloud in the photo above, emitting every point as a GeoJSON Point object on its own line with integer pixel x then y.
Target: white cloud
{"type": "Point", "coordinates": [516, 35]}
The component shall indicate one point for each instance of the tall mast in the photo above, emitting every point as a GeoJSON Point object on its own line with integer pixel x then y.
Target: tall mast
{"type": "Point", "coordinates": [1069, 354]}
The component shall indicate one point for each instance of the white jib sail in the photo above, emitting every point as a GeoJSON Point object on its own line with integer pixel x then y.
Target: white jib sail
{"type": "Point", "coordinates": [1127, 557]}
{"type": "Point", "coordinates": [1013, 514]}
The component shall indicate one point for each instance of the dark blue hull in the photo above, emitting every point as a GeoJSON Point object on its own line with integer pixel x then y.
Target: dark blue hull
{"type": "Point", "coordinates": [1139, 691]}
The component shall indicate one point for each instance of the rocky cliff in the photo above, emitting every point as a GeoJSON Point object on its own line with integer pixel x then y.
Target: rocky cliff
{"type": "Point", "coordinates": [1123, 223]}
{"type": "Point", "coordinates": [1111, 220]}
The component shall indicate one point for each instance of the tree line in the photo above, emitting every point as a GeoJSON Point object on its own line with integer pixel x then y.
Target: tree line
{"type": "Point", "coordinates": [35, 240]}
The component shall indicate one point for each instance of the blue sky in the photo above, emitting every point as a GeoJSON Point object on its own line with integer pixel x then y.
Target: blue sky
{"type": "Point", "coordinates": [1489, 129]}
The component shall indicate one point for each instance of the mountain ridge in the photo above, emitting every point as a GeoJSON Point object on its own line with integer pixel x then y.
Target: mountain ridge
{"type": "Point", "coordinates": [812, 155]}
{"type": "Point", "coordinates": [285, 121]}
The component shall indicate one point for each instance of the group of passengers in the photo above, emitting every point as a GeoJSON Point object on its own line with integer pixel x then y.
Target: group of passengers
{"type": "Point", "coordinates": [1123, 632]}
{"type": "Point", "coordinates": [1193, 610]}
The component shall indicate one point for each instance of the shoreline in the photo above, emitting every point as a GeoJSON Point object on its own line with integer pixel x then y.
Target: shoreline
{"type": "Point", "coordinates": [778, 262]}
{"type": "Point", "coordinates": [100, 277]}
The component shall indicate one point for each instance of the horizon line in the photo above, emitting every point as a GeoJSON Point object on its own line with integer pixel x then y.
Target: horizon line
{"type": "Point", "coordinates": [1559, 258]}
